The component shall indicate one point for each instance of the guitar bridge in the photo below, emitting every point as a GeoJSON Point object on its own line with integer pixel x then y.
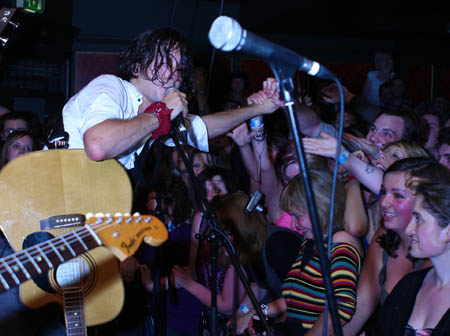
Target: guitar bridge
{"type": "Point", "coordinates": [62, 221]}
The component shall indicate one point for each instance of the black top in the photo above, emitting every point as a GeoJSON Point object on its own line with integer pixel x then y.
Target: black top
{"type": "Point", "coordinates": [399, 305]}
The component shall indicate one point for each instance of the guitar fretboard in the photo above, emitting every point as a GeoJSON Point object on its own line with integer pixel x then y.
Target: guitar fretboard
{"type": "Point", "coordinates": [74, 312]}
{"type": "Point", "coordinates": [37, 259]}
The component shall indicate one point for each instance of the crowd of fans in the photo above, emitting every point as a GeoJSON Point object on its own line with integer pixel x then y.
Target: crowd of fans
{"type": "Point", "coordinates": [390, 250]}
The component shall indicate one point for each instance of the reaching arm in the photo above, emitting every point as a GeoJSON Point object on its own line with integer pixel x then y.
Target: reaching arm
{"type": "Point", "coordinates": [366, 174]}
{"type": "Point", "coordinates": [184, 279]}
{"type": "Point", "coordinates": [355, 217]}
{"type": "Point", "coordinates": [221, 122]}
{"type": "Point", "coordinates": [242, 137]}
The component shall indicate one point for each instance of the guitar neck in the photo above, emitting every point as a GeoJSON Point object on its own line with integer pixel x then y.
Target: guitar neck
{"type": "Point", "coordinates": [74, 313]}
{"type": "Point", "coordinates": [28, 263]}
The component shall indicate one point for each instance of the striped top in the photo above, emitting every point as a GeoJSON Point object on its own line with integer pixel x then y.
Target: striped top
{"type": "Point", "coordinates": [304, 289]}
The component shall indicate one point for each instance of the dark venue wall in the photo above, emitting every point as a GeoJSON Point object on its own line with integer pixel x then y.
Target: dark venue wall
{"type": "Point", "coordinates": [56, 53]}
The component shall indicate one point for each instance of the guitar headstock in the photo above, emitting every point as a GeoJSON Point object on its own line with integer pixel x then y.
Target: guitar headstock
{"type": "Point", "coordinates": [124, 234]}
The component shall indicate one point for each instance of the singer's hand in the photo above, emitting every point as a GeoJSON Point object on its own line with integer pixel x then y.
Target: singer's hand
{"type": "Point", "coordinates": [176, 101]}
{"type": "Point", "coordinates": [262, 102]}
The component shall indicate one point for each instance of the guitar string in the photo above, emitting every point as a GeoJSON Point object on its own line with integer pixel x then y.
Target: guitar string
{"type": "Point", "coordinates": [24, 256]}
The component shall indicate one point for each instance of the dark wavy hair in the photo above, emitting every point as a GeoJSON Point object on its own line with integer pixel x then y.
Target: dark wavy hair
{"type": "Point", "coordinates": [418, 170]}
{"type": "Point", "coordinates": [436, 198]}
{"type": "Point", "coordinates": [157, 46]}
{"type": "Point", "coordinates": [229, 178]}
{"type": "Point", "coordinates": [412, 122]}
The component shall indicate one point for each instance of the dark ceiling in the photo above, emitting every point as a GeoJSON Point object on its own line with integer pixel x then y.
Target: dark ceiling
{"type": "Point", "coordinates": [365, 19]}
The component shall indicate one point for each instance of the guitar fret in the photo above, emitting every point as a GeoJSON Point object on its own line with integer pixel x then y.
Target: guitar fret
{"type": "Point", "coordinates": [41, 253]}
{"type": "Point", "coordinates": [3, 281]}
{"type": "Point", "coordinates": [56, 251]}
{"type": "Point", "coordinates": [74, 312]}
{"type": "Point", "coordinates": [11, 272]}
{"type": "Point", "coordinates": [68, 245]}
{"type": "Point", "coordinates": [31, 259]}
{"type": "Point", "coordinates": [24, 270]}
{"type": "Point", "coordinates": [80, 240]}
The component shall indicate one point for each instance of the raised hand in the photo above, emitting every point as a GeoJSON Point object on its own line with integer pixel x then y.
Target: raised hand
{"type": "Point", "coordinates": [324, 146]}
{"type": "Point", "coordinates": [241, 136]}
{"type": "Point", "coordinates": [176, 101]}
{"type": "Point", "coordinates": [363, 144]}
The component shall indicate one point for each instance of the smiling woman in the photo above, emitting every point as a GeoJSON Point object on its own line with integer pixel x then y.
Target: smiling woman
{"type": "Point", "coordinates": [420, 303]}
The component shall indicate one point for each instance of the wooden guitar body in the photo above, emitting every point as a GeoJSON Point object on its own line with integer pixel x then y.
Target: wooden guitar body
{"type": "Point", "coordinates": [44, 184]}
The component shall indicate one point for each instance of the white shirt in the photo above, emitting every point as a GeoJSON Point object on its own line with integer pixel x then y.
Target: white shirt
{"type": "Point", "coordinates": [110, 97]}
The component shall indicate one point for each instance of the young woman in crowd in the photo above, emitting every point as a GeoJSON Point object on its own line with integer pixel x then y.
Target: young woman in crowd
{"type": "Point", "coordinates": [387, 257]}
{"type": "Point", "coordinates": [420, 302]}
{"type": "Point", "coordinates": [303, 285]}
{"type": "Point", "coordinates": [246, 231]}
{"type": "Point", "coordinates": [17, 143]}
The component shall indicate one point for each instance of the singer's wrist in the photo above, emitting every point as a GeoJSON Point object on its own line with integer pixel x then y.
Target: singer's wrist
{"type": "Point", "coordinates": [162, 113]}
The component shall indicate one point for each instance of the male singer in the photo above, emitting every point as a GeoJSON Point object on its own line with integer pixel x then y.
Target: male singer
{"type": "Point", "coordinates": [113, 116]}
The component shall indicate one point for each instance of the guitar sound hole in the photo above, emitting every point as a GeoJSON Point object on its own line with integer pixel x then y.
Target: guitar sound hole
{"type": "Point", "coordinates": [73, 274]}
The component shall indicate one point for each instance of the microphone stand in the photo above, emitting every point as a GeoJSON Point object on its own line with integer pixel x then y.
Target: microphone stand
{"type": "Point", "coordinates": [216, 233]}
{"type": "Point", "coordinates": [284, 77]}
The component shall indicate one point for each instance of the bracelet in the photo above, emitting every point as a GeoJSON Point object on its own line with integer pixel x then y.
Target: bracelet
{"type": "Point", "coordinates": [265, 309]}
{"type": "Point", "coordinates": [344, 156]}
{"type": "Point", "coordinates": [244, 309]}
{"type": "Point", "coordinates": [162, 112]}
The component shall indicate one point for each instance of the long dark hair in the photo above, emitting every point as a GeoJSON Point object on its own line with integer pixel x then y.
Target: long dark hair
{"type": "Point", "coordinates": [157, 46]}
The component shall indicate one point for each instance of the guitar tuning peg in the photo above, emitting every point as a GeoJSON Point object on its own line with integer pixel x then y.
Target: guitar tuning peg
{"type": "Point", "coordinates": [136, 214]}
{"type": "Point", "coordinates": [108, 214]}
{"type": "Point", "coordinates": [3, 41]}
{"type": "Point", "coordinates": [14, 25]}
{"type": "Point", "coordinates": [118, 214]}
{"type": "Point", "coordinates": [126, 214]}
{"type": "Point", "coordinates": [89, 215]}
{"type": "Point", "coordinates": [99, 214]}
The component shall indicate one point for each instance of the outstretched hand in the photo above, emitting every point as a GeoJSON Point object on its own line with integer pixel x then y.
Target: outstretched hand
{"type": "Point", "coordinates": [241, 136]}
{"type": "Point", "coordinates": [362, 144]}
{"type": "Point", "coordinates": [324, 146]}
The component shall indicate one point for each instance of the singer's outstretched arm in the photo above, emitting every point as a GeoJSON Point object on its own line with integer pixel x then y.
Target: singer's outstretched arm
{"type": "Point", "coordinates": [221, 122]}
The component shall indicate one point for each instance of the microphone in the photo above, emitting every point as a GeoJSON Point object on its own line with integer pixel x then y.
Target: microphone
{"type": "Point", "coordinates": [227, 35]}
{"type": "Point", "coordinates": [178, 123]}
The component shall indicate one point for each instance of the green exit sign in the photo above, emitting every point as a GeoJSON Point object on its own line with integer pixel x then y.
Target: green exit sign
{"type": "Point", "coordinates": [35, 6]}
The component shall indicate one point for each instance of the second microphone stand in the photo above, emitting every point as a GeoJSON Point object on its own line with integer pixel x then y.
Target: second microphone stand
{"type": "Point", "coordinates": [216, 234]}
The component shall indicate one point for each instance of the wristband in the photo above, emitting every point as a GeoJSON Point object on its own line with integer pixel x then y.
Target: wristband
{"type": "Point", "coordinates": [244, 309]}
{"type": "Point", "coordinates": [351, 178]}
{"type": "Point", "coordinates": [162, 112]}
{"type": "Point", "coordinates": [265, 309]}
{"type": "Point", "coordinates": [344, 156]}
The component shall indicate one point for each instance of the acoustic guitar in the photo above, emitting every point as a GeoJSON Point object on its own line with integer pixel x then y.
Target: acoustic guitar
{"type": "Point", "coordinates": [43, 195]}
